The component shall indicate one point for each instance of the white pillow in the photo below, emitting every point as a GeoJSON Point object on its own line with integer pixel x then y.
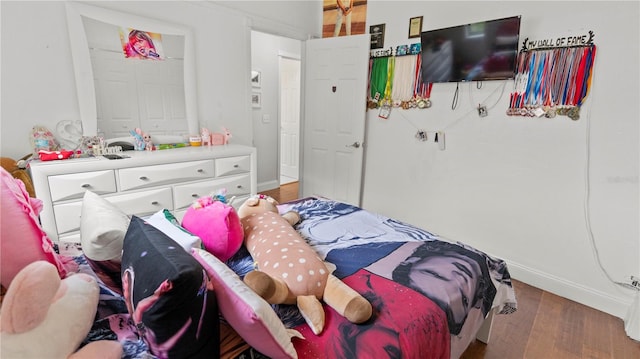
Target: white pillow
{"type": "Point", "coordinates": [102, 228]}
{"type": "Point", "coordinates": [168, 224]}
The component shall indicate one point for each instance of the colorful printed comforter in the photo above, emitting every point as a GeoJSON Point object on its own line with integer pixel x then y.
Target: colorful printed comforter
{"type": "Point", "coordinates": [429, 296]}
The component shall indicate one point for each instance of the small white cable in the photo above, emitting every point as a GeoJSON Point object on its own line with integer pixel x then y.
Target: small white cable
{"type": "Point", "coordinates": [587, 197]}
{"type": "Point", "coordinates": [473, 104]}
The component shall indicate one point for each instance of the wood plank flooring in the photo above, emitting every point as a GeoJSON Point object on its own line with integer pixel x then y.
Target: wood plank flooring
{"type": "Point", "coordinates": [548, 326]}
{"type": "Point", "coordinates": [286, 192]}
{"type": "Point", "coordinates": [545, 326]}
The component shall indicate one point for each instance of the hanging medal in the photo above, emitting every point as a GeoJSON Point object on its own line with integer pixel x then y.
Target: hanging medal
{"type": "Point", "coordinates": [378, 81]}
{"type": "Point", "coordinates": [385, 104]}
{"type": "Point", "coordinates": [420, 94]}
{"type": "Point", "coordinates": [427, 102]}
{"type": "Point", "coordinates": [402, 89]}
{"type": "Point", "coordinates": [370, 75]}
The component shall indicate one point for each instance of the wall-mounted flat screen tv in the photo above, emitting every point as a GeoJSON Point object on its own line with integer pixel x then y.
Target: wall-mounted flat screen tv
{"type": "Point", "coordinates": [480, 51]}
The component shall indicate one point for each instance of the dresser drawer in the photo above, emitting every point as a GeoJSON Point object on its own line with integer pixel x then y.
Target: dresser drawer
{"type": "Point", "coordinates": [138, 203]}
{"type": "Point", "coordinates": [185, 194]}
{"type": "Point", "coordinates": [74, 185]}
{"type": "Point", "coordinates": [232, 165]}
{"type": "Point", "coordinates": [141, 177]}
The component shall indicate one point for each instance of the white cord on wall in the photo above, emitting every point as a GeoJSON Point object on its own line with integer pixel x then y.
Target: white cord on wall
{"type": "Point", "coordinates": [587, 197]}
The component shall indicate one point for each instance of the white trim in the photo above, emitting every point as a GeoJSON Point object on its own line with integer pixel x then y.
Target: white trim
{"type": "Point", "coordinates": [290, 55]}
{"type": "Point", "coordinates": [602, 301]}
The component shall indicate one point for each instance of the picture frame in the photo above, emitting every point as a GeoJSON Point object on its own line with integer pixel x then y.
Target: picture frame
{"type": "Point", "coordinates": [377, 36]}
{"type": "Point", "coordinates": [256, 99]}
{"type": "Point", "coordinates": [256, 78]}
{"type": "Point", "coordinates": [415, 26]}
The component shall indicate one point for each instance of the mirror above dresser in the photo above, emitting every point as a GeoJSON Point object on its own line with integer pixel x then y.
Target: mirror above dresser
{"type": "Point", "coordinates": [118, 90]}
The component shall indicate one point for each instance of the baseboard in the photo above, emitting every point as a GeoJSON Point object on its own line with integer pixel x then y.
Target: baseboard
{"type": "Point", "coordinates": [616, 306]}
{"type": "Point", "coordinates": [269, 185]}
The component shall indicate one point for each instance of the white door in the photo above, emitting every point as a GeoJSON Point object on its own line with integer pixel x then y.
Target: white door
{"type": "Point", "coordinates": [334, 126]}
{"type": "Point", "coordinates": [117, 95]}
{"type": "Point", "coordinates": [161, 96]}
{"type": "Point", "coordinates": [289, 119]}
{"type": "Point", "coordinates": [139, 93]}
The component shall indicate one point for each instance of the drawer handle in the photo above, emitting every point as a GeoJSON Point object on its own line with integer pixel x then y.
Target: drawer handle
{"type": "Point", "coordinates": [144, 178]}
{"type": "Point", "coordinates": [200, 170]}
{"type": "Point", "coordinates": [239, 186]}
{"type": "Point", "coordinates": [86, 185]}
{"type": "Point", "coordinates": [154, 203]}
{"type": "Point", "coordinates": [195, 195]}
{"type": "Point", "coordinates": [236, 166]}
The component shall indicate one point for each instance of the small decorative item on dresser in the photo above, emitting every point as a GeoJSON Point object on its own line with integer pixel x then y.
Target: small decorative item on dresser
{"type": "Point", "coordinates": [221, 138]}
{"type": "Point", "coordinates": [195, 141]}
{"type": "Point", "coordinates": [205, 136]}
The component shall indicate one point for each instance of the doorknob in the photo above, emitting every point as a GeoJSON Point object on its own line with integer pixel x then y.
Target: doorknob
{"type": "Point", "coordinates": [354, 145]}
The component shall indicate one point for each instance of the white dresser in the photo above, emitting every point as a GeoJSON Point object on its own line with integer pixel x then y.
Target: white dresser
{"type": "Point", "coordinates": [142, 184]}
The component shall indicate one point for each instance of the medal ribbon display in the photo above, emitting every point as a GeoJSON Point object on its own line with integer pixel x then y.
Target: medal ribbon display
{"type": "Point", "coordinates": [402, 88]}
{"type": "Point", "coordinates": [389, 84]}
{"type": "Point", "coordinates": [418, 86]}
{"type": "Point", "coordinates": [397, 81]}
{"type": "Point", "coordinates": [550, 81]}
{"type": "Point", "coordinates": [378, 77]}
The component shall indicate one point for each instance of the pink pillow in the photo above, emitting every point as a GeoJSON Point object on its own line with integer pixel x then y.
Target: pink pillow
{"type": "Point", "coordinates": [22, 240]}
{"type": "Point", "coordinates": [218, 226]}
{"type": "Point", "coordinates": [251, 316]}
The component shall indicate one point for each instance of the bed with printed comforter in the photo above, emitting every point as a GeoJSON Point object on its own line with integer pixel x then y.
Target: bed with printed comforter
{"type": "Point", "coordinates": [430, 297]}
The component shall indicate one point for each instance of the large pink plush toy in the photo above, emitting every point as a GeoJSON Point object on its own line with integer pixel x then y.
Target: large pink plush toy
{"type": "Point", "coordinates": [217, 224]}
{"type": "Point", "coordinates": [46, 317]}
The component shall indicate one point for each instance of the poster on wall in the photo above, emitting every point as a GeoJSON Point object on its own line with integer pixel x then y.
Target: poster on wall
{"type": "Point", "coordinates": [138, 44]}
{"type": "Point", "coordinates": [343, 17]}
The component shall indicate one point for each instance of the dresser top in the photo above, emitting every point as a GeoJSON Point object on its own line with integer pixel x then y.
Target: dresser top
{"type": "Point", "coordinates": [139, 158]}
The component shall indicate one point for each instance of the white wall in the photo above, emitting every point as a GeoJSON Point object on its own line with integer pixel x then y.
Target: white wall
{"type": "Point", "coordinates": [517, 187]}
{"type": "Point", "coordinates": [38, 86]}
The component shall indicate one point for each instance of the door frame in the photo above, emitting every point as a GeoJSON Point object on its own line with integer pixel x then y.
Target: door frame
{"type": "Point", "coordinates": [284, 54]}
{"type": "Point", "coordinates": [277, 32]}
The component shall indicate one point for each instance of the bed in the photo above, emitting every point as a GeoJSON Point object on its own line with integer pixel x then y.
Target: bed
{"type": "Point", "coordinates": [431, 298]}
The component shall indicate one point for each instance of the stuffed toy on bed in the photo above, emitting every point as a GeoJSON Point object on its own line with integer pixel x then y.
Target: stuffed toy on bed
{"type": "Point", "coordinates": [216, 223]}
{"type": "Point", "coordinates": [46, 317]}
{"type": "Point", "coordinates": [289, 271]}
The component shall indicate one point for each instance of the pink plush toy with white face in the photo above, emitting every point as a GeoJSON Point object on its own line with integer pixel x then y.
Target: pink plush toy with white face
{"type": "Point", "coordinates": [217, 224]}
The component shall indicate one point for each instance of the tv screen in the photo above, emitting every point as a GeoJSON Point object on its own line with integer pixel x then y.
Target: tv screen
{"type": "Point", "coordinates": [480, 51]}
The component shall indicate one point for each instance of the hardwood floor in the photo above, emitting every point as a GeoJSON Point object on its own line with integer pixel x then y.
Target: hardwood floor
{"type": "Point", "coordinates": [548, 326]}
{"type": "Point", "coordinates": [286, 192]}
{"type": "Point", "coordinates": [545, 326]}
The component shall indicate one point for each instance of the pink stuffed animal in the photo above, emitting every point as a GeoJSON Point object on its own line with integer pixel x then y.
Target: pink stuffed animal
{"type": "Point", "coordinates": [217, 224]}
{"type": "Point", "coordinates": [205, 135]}
{"type": "Point", "coordinates": [221, 138]}
{"type": "Point", "coordinates": [148, 144]}
{"type": "Point", "coordinates": [46, 317]}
